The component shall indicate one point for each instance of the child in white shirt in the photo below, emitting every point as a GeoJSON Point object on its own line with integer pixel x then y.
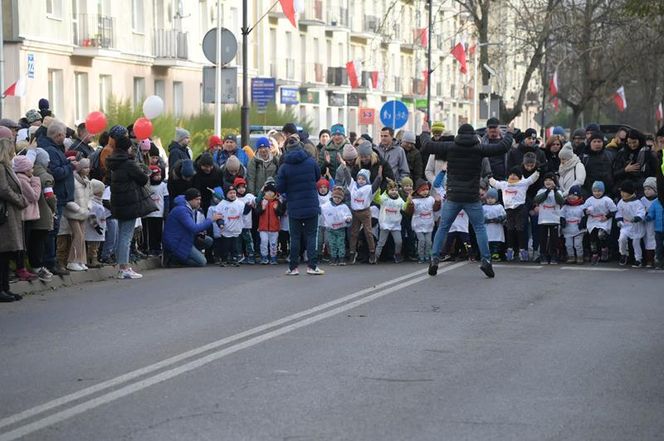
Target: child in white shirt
{"type": "Point", "coordinates": [573, 223]}
{"type": "Point", "coordinates": [95, 228]}
{"type": "Point", "coordinates": [599, 209]}
{"type": "Point", "coordinates": [494, 218]}
{"type": "Point", "coordinates": [228, 229]}
{"type": "Point", "coordinates": [630, 219]}
{"type": "Point", "coordinates": [336, 218]}
{"type": "Point", "coordinates": [421, 205]}
{"type": "Point", "coordinates": [389, 220]}
{"type": "Point", "coordinates": [549, 201]}
{"type": "Point", "coordinates": [324, 196]}
{"type": "Point", "coordinates": [246, 238]}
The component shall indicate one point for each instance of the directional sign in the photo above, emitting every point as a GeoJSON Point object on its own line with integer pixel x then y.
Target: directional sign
{"type": "Point", "coordinates": [394, 114]}
{"type": "Point", "coordinates": [263, 91]}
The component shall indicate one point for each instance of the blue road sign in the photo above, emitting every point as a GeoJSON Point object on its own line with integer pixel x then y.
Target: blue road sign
{"type": "Point", "coordinates": [263, 91]}
{"type": "Point", "coordinates": [289, 95]}
{"type": "Point", "coordinates": [394, 114]}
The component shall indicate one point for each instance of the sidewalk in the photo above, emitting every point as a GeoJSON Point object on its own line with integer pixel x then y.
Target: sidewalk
{"type": "Point", "coordinates": [79, 278]}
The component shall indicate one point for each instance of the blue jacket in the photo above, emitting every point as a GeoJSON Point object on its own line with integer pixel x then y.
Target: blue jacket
{"type": "Point", "coordinates": [180, 229]}
{"type": "Point", "coordinates": [61, 169]}
{"type": "Point", "coordinates": [656, 214]}
{"type": "Point", "coordinates": [297, 179]}
{"type": "Point", "coordinates": [221, 156]}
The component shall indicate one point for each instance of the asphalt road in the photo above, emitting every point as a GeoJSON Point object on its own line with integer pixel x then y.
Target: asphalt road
{"type": "Point", "coordinates": [362, 353]}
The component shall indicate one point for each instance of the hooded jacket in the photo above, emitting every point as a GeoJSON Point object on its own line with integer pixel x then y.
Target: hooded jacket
{"type": "Point", "coordinates": [221, 156]}
{"type": "Point", "coordinates": [177, 152]}
{"type": "Point", "coordinates": [297, 179]}
{"type": "Point", "coordinates": [464, 157]}
{"type": "Point", "coordinates": [61, 170]}
{"type": "Point", "coordinates": [643, 156]}
{"type": "Point", "coordinates": [130, 199]}
{"type": "Point", "coordinates": [333, 150]}
{"type": "Point", "coordinates": [180, 229]}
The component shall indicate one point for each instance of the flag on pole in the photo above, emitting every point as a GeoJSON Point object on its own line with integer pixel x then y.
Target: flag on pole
{"type": "Point", "coordinates": [459, 53]}
{"type": "Point", "coordinates": [354, 68]}
{"type": "Point", "coordinates": [421, 36]}
{"type": "Point", "coordinates": [553, 84]}
{"type": "Point", "coordinates": [16, 89]}
{"type": "Point", "coordinates": [288, 6]}
{"type": "Point", "coordinates": [659, 115]}
{"type": "Point", "coordinates": [619, 99]}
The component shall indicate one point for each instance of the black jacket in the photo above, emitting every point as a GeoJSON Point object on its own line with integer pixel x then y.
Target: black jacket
{"type": "Point", "coordinates": [176, 152]}
{"type": "Point", "coordinates": [498, 163]}
{"type": "Point", "coordinates": [644, 157]}
{"type": "Point", "coordinates": [598, 168]}
{"type": "Point", "coordinates": [464, 158]}
{"type": "Point", "coordinates": [203, 181]}
{"type": "Point", "coordinates": [130, 199]}
{"type": "Point", "coordinates": [515, 157]}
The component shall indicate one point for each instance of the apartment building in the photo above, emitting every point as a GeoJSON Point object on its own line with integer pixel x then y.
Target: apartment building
{"type": "Point", "coordinates": [78, 53]}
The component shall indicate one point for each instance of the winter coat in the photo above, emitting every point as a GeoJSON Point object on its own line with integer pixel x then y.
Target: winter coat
{"type": "Point", "coordinates": [31, 189]}
{"type": "Point", "coordinates": [643, 156]}
{"type": "Point", "coordinates": [177, 185]}
{"type": "Point", "coordinates": [465, 156]}
{"type": "Point", "coordinates": [373, 167]}
{"type": "Point", "coordinates": [177, 152]}
{"type": "Point", "coordinates": [296, 180]}
{"type": "Point", "coordinates": [268, 217]}
{"type": "Point", "coordinates": [221, 156]}
{"type": "Point", "coordinates": [180, 229]}
{"type": "Point", "coordinates": [202, 181]}
{"type": "Point", "coordinates": [259, 171]}
{"type": "Point", "coordinates": [79, 208]}
{"type": "Point", "coordinates": [434, 166]}
{"type": "Point", "coordinates": [227, 178]}
{"type": "Point", "coordinates": [395, 156]}
{"type": "Point", "coordinates": [552, 161]}
{"type": "Point", "coordinates": [571, 173]}
{"type": "Point", "coordinates": [656, 215]}
{"type": "Point", "coordinates": [515, 156]}
{"type": "Point", "coordinates": [415, 164]}
{"type": "Point", "coordinates": [46, 206]}
{"type": "Point", "coordinates": [61, 170]}
{"type": "Point", "coordinates": [498, 163]}
{"type": "Point", "coordinates": [598, 168]}
{"type": "Point", "coordinates": [130, 199]}
{"type": "Point", "coordinates": [333, 151]}
{"type": "Point", "coordinates": [10, 193]}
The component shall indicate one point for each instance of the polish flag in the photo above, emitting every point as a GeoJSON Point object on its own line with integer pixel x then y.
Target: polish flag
{"type": "Point", "coordinates": [548, 132]}
{"type": "Point", "coordinates": [288, 6]}
{"type": "Point", "coordinates": [619, 99]}
{"type": "Point", "coordinates": [16, 89]}
{"type": "Point", "coordinates": [553, 84]}
{"type": "Point", "coordinates": [354, 69]}
{"type": "Point", "coordinates": [421, 36]}
{"type": "Point", "coordinates": [377, 79]}
{"type": "Point", "coordinates": [659, 115]}
{"type": "Point", "coordinates": [459, 53]}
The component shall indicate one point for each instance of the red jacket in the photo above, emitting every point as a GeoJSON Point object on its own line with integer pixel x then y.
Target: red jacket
{"type": "Point", "coordinates": [268, 219]}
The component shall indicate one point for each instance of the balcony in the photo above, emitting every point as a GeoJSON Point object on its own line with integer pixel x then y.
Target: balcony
{"type": "Point", "coordinates": [92, 34]}
{"type": "Point", "coordinates": [313, 16]}
{"type": "Point", "coordinates": [170, 46]}
{"type": "Point", "coordinates": [368, 30]}
{"type": "Point", "coordinates": [337, 76]}
{"type": "Point", "coordinates": [338, 20]}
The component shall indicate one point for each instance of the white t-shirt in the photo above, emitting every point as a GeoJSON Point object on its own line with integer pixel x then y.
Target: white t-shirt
{"type": "Point", "coordinates": [159, 191]}
{"type": "Point", "coordinates": [572, 215]}
{"type": "Point", "coordinates": [628, 211]}
{"type": "Point", "coordinates": [232, 215]}
{"type": "Point", "coordinates": [514, 195]}
{"type": "Point", "coordinates": [249, 199]}
{"type": "Point", "coordinates": [549, 210]}
{"type": "Point", "coordinates": [495, 232]}
{"type": "Point", "coordinates": [390, 213]}
{"type": "Point", "coordinates": [334, 216]}
{"type": "Point", "coordinates": [596, 208]}
{"type": "Point", "coordinates": [322, 200]}
{"type": "Point", "coordinates": [360, 197]}
{"type": "Point", "coordinates": [460, 224]}
{"type": "Point", "coordinates": [423, 214]}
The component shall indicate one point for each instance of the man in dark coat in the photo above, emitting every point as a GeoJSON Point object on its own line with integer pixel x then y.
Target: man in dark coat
{"type": "Point", "coordinates": [498, 164]}
{"type": "Point", "coordinates": [178, 150]}
{"type": "Point", "coordinates": [207, 176]}
{"type": "Point", "coordinates": [597, 161]}
{"type": "Point", "coordinates": [464, 158]}
{"type": "Point", "coordinates": [515, 156]}
{"type": "Point", "coordinates": [634, 162]}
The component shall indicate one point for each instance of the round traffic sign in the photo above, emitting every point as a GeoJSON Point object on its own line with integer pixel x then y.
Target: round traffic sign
{"type": "Point", "coordinates": [228, 46]}
{"type": "Point", "coordinates": [394, 114]}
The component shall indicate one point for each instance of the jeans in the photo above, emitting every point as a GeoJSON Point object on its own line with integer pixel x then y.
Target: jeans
{"type": "Point", "coordinates": [49, 256]}
{"type": "Point", "coordinates": [196, 257]}
{"type": "Point", "coordinates": [476, 217]}
{"type": "Point", "coordinates": [308, 227]}
{"type": "Point", "coordinates": [269, 243]}
{"type": "Point", "coordinates": [125, 235]}
{"type": "Point", "coordinates": [111, 239]}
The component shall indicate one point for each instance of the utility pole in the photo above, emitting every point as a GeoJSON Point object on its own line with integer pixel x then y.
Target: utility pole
{"type": "Point", "coordinates": [244, 112]}
{"type": "Point", "coordinates": [217, 79]}
{"type": "Point", "coordinates": [2, 64]}
{"type": "Point", "coordinates": [429, 63]}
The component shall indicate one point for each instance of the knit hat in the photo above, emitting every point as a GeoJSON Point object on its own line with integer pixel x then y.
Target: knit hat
{"type": "Point", "coordinates": [155, 169]}
{"type": "Point", "coordinates": [44, 104]}
{"type": "Point", "coordinates": [231, 137]}
{"type": "Point", "coordinates": [181, 134]}
{"type": "Point", "coordinates": [575, 190]}
{"type": "Point", "coordinates": [367, 137]}
{"type": "Point", "coordinates": [118, 132]}
{"type": "Point", "coordinates": [492, 193]}
{"type": "Point", "coordinates": [628, 187]}
{"type": "Point", "coordinates": [408, 136]}
{"type": "Point", "coordinates": [365, 148]}
{"type": "Point", "coordinates": [22, 164]}
{"type": "Point", "coordinates": [598, 186]}
{"type": "Point", "coordinates": [422, 183]}
{"type": "Point", "coordinates": [239, 182]}
{"type": "Point", "coordinates": [262, 142]}
{"type": "Point", "coordinates": [192, 193]}
{"type": "Point", "coordinates": [530, 158]}
{"type": "Point", "coordinates": [270, 186]}
{"type": "Point", "coordinates": [651, 183]}
{"type": "Point", "coordinates": [466, 129]}
{"type": "Point", "coordinates": [214, 141]}
{"type": "Point", "coordinates": [530, 133]}
{"type": "Point", "coordinates": [187, 168]}
{"type": "Point", "coordinates": [5, 133]}
{"type": "Point", "coordinates": [566, 153]}
{"type": "Point", "coordinates": [406, 181]}
{"type": "Point", "coordinates": [516, 170]}
{"type": "Point", "coordinates": [83, 163]}
{"type": "Point", "coordinates": [579, 133]}
{"type": "Point", "coordinates": [289, 128]}
{"type": "Point", "coordinates": [391, 185]}
{"type": "Point", "coordinates": [97, 187]}
{"type": "Point", "coordinates": [123, 143]}
{"type": "Point", "coordinates": [322, 182]}
{"type": "Point", "coordinates": [437, 127]}
{"type": "Point", "coordinates": [596, 135]}
{"type": "Point", "coordinates": [229, 189]}
{"type": "Point", "coordinates": [32, 116]}
{"type": "Point", "coordinates": [349, 153]}
{"type": "Point", "coordinates": [558, 130]}
{"type": "Point", "coordinates": [293, 142]}
{"type": "Point", "coordinates": [338, 191]}
{"type": "Point", "coordinates": [233, 164]}
{"type": "Point", "coordinates": [10, 124]}
{"type": "Point", "coordinates": [338, 129]}
{"type": "Point", "coordinates": [593, 127]}
{"type": "Point", "coordinates": [366, 174]}
{"type": "Point", "coordinates": [205, 159]}
{"type": "Point", "coordinates": [41, 157]}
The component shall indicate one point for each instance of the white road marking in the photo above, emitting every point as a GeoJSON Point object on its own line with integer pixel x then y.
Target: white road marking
{"type": "Point", "coordinates": [194, 364]}
{"type": "Point", "coordinates": [524, 266]}
{"type": "Point", "coordinates": [591, 268]}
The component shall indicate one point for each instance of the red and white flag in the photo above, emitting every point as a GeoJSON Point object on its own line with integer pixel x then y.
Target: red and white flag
{"type": "Point", "coordinates": [354, 69]}
{"type": "Point", "coordinates": [459, 53]}
{"type": "Point", "coordinates": [619, 99]}
{"type": "Point", "coordinates": [659, 114]}
{"type": "Point", "coordinates": [553, 84]}
{"type": "Point", "coordinates": [16, 89]}
{"type": "Point", "coordinates": [377, 79]}
{"type": "Point", "coordinates": [548, 132]}
{"type": "Point", "coordinates": [288, 6]}
{"type": "Point", "coordinates": [421, 36]}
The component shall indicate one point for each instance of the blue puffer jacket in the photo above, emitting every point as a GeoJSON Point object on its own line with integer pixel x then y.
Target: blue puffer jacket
{"type": "Point", "coordinates": [61, 169]}
{"type": "Point", "coordinates": [180, 229]}
{"type": "Point", "coordinates": [297, 179]}
{"type": "Point", "coordinates": [656, 214]}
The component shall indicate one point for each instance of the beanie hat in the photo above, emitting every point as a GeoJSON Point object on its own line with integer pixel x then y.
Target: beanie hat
{"type": "Point", "coordinates": [239, 181]}
{"type": "Point", "coordinates": [422, 183]}
{"type": "Point", "coordinates": [391, 185]}
{"type": "Point", "coordinates": [566, 153]}
{"type": "Point", "coordinates": [262, 142]}
{"type": "Point", "coordinates": [293, 142]}
{"type": "Point", "coordinates": [651, 183]}
{"type": "Point", "coordinates": [5, 133]}
{"type": "Point", "coordinates": [229, 189]}
{"type": "Point", "coordinates": [123, 143]}
{"type": "Point", "coordinates": [593, 127]}
{"type": "Point", "coordinates": [579, 133]}
{"type": "Point", "coordinates": [492, 193]}
{"type": "Point", "coordinates": [322, 182]}
{"type": "Point", "coordinates": [22, 164]}
{"type": "Point", "coordinates": [289, 128]}
{"type": "Point", "coordinates": [118, 132]}
{"type": "Point", "coordinates": [492, 122]}
{"type": "Point", "coordinates": [181, 134]}
{"type": "Point", "coordinates": [558, 130]}
{"type": "Point", "coordinates": [365, 149]}
{"type": "Point", "coordinates": [408, 136]}
{"type": "Point", "coordinates": [366, 174]}
{"type": "Point", "coordinates": [598, 186]}
{"type": "Point", "coordinates": [437, 127]}
{"type": "Point", "coordinates": [575, 190]}
{"type": "Point", "coordinates": [187, 168]}
{"type": "Point", "coordinates": [406, 181]}
{"type": "Point", "coordinates": [549, 175]}
{"type": "Point", "coordinates": [233, 164]}
{"type": "Point", "coordinates": [83, 163]}
{"type": "Point", "coordinates": [530, 133]}
{"type": "Point", "coordinates": [349, 153]}
{"type": "Point", "coordinates": [214, 141]}
{"type": "Point", "coordinates": [466, 129]}
{"type": "Point", "coordinates": [70, 153]}
{"type": "Point", "coordinates": [154, 151]}
{"type": "Point", "coordinates": [338, 129]}
{"type": "Point", "coordinates": [44, 104]}
{"type": "Point", "coordinates": [192, 193]}
{"type": "Point", "coordinates": [32, 116]}
{"type": "Point", "coordinates": [270, 186]}
{"type": "Point", "coordinates": [516, 170]}
{"type": "Point", "coordinates": [205, 159]}
{"type": "Point", "coordinates": [155, 169]}
{"type": "Point", "coordinates": [628, 187]}
{"type": "Point", "coordinates": [367, 137]}
{"type": "Point", "coordinates": [41, 157]}
{"type": "Point", "coordinates": [530, 158]}
{"type": "Point", "coordinates": [97, 187]}
{"type": "Point", "coordinates": [145, 144]}
{"type": "Point", "coordinates": [338, 191]}
{"type": "Point", "coordinates": [596, 135]}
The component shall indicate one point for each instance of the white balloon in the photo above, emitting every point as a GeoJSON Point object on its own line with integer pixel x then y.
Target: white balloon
{"type": "Point", "coordinates": [153, 106]}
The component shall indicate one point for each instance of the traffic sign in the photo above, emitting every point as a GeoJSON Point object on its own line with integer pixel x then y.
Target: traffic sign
{"type": "Point", "coordinates": [394, 114]}
{"type": "Point", "coordinates": [263, 91]}
{"type": "Point", "coordinates": [367, 116]}
{"type": "Point", "coordinates": [228, 46]}
{"type": "Point", "coordinates": [228, 84]}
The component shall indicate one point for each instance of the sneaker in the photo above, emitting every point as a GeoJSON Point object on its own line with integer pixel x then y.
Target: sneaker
{"type": "Point", "coordinates": [372, 258]}
{"type": "Point", "coordinates": [129, 274]}
{"type": "Point", "coordinates": [17, 297]}
{"type": "Point", "coordinates": [622, 261]}
{"type": "Point", "coordinates": [273, 260]}
{"type": "Point", "coordinates": [553, 261]}
{"type": "Point", "coordinates": [334, 262]}
{"type": "Point", "coordinates": [487, 269]}
{"type": "Point", "coordinates": [315, 271]}
{"type": "Point", "coordinates": [293, 272]}
{"type": "Point", "coordinates": [594, 260]}
{"type": "Point", "coordinates": [605, 255]}
{"type": "Point", "coordinates": [342, 261]}
{"type": "Point", "coordinates": [58, 270]}
{"type": "Point", "coordinates": [84, 266]}
{"type": "Point", "coordinates": [251, 260]}
{"type": "Point", "coordinates": [73, 266]}
{"type": "Point", "coordinates": [433, 266]}
{"type": "Point", "coordinates": [25, 276]}
{"type": "Point", "coordinates": [536, 256]}
{"type": "Point", "coordinates": [398, 258]}
{"type": "Point", "coordinates": [44, 275]}
{"type": "Point", "coordinates": [638, 264]}
{"type": "Point", "coordinates": [264, 260]}
{"type": "Point", "coordinates": [352, 258]}
{"type": "Point", "coordinates": [572, 260]}
{"type": "Point", "coordinates": [523, 256]}
{"type": "Point", "coordinates": [579, 260]}
{"type": "Point", "coordinates": [509, 255]}
{"type": "Point", "coordinates": [445, 258]}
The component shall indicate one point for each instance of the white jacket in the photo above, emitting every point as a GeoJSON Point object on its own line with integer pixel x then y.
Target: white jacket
{"type": "Point", "coordinates": [596, 210]}
{"type": "Point", "coordinates": [628, 211]}
{"type": "Point", "coordinates": [79, 208]}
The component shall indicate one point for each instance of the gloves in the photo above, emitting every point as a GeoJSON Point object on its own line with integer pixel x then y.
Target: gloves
{"type": "Point", "coordinates": [636, 219]}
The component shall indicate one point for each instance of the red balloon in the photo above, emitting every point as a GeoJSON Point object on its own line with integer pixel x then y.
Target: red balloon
{"type": "Point", "coordinates": [143, 128]}
{"type": "Point", "coordinates": [95, 122]}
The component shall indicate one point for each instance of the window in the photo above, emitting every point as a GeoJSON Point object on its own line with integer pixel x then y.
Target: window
{"type": "Point", "coordinates": [54, 8]}
{"type": "Point", "coordinates": [105, 88]}
{"type": "Point", "coordinates": [81, 87]}
{"type": "Point", "coordinates": [55, 86]}
{"type": "Point", "coordinates": [160, 89]}
{"type": "Point", "coordinates": [137, 18]}
{"type": "Point", "coordinates": [139, 92]}
{"type": "Point", "coordinates": [178, 99]}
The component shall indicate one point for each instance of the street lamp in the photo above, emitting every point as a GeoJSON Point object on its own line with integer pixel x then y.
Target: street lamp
{"type": "Point", "coordinates": [492, 72]}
